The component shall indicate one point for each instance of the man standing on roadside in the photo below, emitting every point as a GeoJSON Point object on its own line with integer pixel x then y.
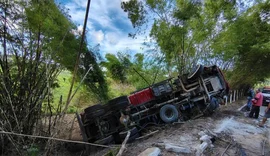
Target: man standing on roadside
{"type": "Point", "coordinates": [257, 103]}
{"type": "Point", "coordinates": [250, 97]}
{"type": "Point", "coordinates": [266, 115]}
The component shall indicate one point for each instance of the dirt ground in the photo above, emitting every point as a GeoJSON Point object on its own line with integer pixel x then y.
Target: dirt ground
{"type": "Point", "coordinates": [231, 125]}
{"type": "Point", "coordinates": [228, 122]}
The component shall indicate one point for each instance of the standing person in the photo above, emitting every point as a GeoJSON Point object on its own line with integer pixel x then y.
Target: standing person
{"type": "Point", "coordinates": [257, 103]}
{"type": "Point", "coordinates": [266, 115]}
{"type": "Point", "coordinates": [250, 97]}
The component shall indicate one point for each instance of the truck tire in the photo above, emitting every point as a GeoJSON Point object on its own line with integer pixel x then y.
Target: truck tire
{"type": "Point", "coordinates": [196, 72]}
{"type": "Point", "coordinates": [118, 103]}
{"type": "Point", "coordinates": [95, 114]}
{"type": "Point", "coordinates": [93, 108]}
{"type": "Point", "coordinates": [168, 113]}
{"type": "Point", "coordinates": [94, 111]}
{"type": "Point", "coordinates": [105, 141]}
{"type": "Point", "coordinates": [133, 131]}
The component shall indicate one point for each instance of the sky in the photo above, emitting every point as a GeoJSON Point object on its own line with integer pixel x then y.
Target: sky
{"type": "Point", "coordinates": [108, 25]}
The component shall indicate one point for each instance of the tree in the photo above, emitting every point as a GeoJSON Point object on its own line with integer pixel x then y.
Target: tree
{"type": "Point", "coordinates": [37, 43]}
{"type": "Point", "coordinates": [210, 32]}
{"type": "Point", "coordinates": [246, 40]}
{"type": "Point", "coordinates": [181, 28]}
{"type": "Point", "coordinates": [117, 66]}
{"type": "Point", "coordinates": [144, 72]}
{"type": "Point", "coordinates": [136, 71]}
{"type": "Point", "coordinates": [95, 80]}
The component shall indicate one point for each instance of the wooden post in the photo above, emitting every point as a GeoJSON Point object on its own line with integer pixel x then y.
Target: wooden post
{"type": "Point", "coordinates": [237, 94]}
{"type": "Point", "coordinates": [230, 96]}
{"type": "Point", "coordinates": [241, 93]}
{"type": "Point", "coordinates": [234, 95]}
{"type": "Point", "coordinates": [123, 145]}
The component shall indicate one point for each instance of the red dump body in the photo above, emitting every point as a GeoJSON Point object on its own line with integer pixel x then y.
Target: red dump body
{"type": "Point", "coordinates": [142, 96]}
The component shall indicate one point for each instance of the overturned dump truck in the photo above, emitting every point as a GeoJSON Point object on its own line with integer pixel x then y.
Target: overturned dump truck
{"type": "Point", "coordinates": [198, 93]}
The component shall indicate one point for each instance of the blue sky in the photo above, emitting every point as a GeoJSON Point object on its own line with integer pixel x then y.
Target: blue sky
{"type": "Point", "coordinates": [108, 25]}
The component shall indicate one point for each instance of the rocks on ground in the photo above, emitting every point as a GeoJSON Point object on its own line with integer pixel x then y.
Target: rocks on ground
{"type": "Point", "coordinates": [153, 151]}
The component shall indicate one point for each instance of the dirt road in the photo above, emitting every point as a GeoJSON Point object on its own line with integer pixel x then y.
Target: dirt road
{"type": "Point", "coordinates": [228, 122]}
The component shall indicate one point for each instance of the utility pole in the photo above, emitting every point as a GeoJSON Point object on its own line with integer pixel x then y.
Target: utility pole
{"type": "Point", "coordinates": [77, 59]}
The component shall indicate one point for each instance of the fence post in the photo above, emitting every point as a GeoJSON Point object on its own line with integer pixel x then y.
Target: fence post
{"type": "Point", "coordinates": [240, 93]}
{"type": "Point", "coordinates": [230, 96]}
{"type": "Point", "coordinates": [234, 95]}
{"type": "Point", "coordinates": [237, 94]}
{"type": "Point", "coordinates": [226, 100]}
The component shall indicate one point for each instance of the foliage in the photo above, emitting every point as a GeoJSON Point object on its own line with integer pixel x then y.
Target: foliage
{"type": "Point", "coordinates": [95, 81]}
{"type": "Point", "coordinates": [246, 40]}
{"type": "Point", "coordinates": [138, 72]}
{"type": "Point", "coordinates": [209, 32]}
{"type": "Point", "coordinates": [181, 28]}
{"type": "Point", "coordinates": [117, 88]}
{"type": "Point", "coordinates": [37, 42]}
{"type": "Point", "coordinates": [33, 151]}
{"type": "Point", "coordinates": [117, 67]}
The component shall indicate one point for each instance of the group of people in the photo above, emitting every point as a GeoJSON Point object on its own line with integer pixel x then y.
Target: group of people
{"type": "Point", "coordinates": [254, 103]}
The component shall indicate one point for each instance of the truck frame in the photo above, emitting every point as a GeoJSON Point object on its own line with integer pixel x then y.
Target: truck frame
{"type": "Point", "coordinates": [199, 92]}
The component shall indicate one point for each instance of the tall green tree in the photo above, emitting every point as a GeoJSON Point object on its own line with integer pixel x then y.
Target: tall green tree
{"type": "Point", "coordinates": [136, 71]}
{"type": "Point", "coordinates": [95, 80]}
{"type": "Point", "coordinates": [181, 28]}
{"type": "Point", "coordinates": [36, 44]}
{"type": "Point", "coordinates": [144, 72]}
{"type": "Point", "coordinates": [232, 34]}
{"type": "Point", "coordinates": [117, 66]}
{"type": "Point", "coordinates": [246, 41]}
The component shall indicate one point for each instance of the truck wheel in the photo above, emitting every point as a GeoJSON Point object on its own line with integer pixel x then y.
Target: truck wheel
{"type": "Point", "coordinates": [105, 141]}
{"type": "Point", "coordinates": [94, 111]}
{"type": "Point", "coordinates": [168, 113]}
{"type": "Point", "coordinates": [95, 114]}
{"type": "Point", "coordinates": [123, 134]}
{"type": "Point", "coordinates": [93, 108]}
{"type": "Point", "coordinates": [118, 103]}
{"type": "Point", "coordinates": [196, 72]}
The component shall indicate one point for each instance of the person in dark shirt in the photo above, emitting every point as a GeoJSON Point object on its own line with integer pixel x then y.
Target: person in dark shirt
{"type": "Point", "coordinates": [250, 97]}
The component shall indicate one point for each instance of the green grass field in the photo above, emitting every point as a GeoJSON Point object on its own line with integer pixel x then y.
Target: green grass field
{"type": "Point", "coordinates": [83, 98]}
{"type": "Point", "coordinates": [78, 101]}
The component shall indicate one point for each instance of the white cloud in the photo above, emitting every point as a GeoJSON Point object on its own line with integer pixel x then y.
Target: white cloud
{"type": "Point", "coordinates": [98, 35]}
{"type": "Point", "coordinates": [117, 42]}
{"type": "Point", "coordinates": [107, 25]}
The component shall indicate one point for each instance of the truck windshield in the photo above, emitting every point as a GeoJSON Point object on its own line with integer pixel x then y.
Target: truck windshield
{"type": "Point", "coordinates": [266, 91]}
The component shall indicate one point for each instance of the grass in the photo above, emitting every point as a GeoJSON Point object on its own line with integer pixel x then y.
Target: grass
{"type": "Point", "coordinates": [78, 102]}
{"type": "Point", "coordinates": [83, 98]}
{"type": "Point", "coordinates": [117, 89]}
